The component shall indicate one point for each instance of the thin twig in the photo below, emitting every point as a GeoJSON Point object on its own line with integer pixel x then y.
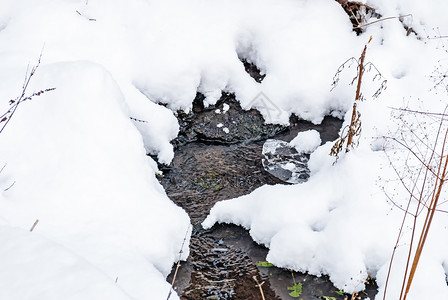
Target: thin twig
{"type": "Point", "coordinates": [355, 114]}
{"type": "Point", "coordinates": [414, 154]}
{"type": "Point", "coordinates": [420, 112]}
{"type": "Point", "coordinates": [437, 37]}
{"type": "Point", "coordinates": [418, 193]}
{"type": "Point", "coordinates": [14, 103]}
{"type": "Point", "coordinates": [89, 19]}
{"type": "Point", "coordinates": [384, 19]}
{"type": "Point", "coordinates": [5, 190]}
{"type": "Point", "coordinates": [259, 286]}
{"type": "Point", "coordinates": [138, 120]}
{"type": "Point", "coordinates": [431, 210]}
{"type": "Point", "coordinates": [439, 174]}
{"type": "Point", "coordinates": [34, 225]}
{"type": "Point", "coordinates": [178, 262]}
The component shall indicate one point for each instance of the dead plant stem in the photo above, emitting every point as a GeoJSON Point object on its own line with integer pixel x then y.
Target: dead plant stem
{"type": "Point", "coordinates": [34, 225]}
{"type": "Point", "coordinates": [430, 214]}
{"type": "Point", "coordinates": [411, 196]}
{"type": "Point", "coordinates": [259, 286]}
{"type": "Point", "coordinates": [352, 128]}
{"type": "Point", "coordinates": [381, 20]}
{"type": "Point", "coordinates": [178, 262]}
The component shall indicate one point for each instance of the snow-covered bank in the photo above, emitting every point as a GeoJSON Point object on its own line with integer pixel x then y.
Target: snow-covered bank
{"type": "Point", "coordinates": [77, 163]}
{"type": "Point", "coordinates": [329, 224]}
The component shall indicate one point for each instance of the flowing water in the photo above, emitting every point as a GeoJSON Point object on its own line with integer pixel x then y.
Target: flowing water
{"type": "Point", "coordinates": [212, 164]}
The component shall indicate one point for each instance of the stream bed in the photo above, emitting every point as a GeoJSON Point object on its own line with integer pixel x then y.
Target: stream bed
{"type": "Point", "coordinates": [218, 156]}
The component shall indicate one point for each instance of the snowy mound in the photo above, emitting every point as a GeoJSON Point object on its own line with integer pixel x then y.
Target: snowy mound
{"type": "Point", "coordinates": [307, 141]}
{"type": "Point", "coordinates": [73, 160]}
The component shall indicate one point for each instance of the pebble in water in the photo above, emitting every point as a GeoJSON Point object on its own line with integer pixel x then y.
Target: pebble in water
{"type": "Point", "coordinates": [284, 162]}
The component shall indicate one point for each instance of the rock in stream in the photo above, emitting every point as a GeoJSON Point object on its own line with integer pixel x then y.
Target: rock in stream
{"type": "Point", "coordinates": [284, 162]}
{"type": "Point", "coordinates": [223, 123]}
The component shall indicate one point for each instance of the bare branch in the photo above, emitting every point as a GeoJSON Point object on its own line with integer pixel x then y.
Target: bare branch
{"type": "Point", "coordinates": [381, 20]}
{"type": "Point", "coordinates": [14, 103]}
{"type": "Point", "coordinates": [178, 261]}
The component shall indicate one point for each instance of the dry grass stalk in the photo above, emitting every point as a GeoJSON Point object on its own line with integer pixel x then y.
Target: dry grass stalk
{"type": "Point", "coordinates": [259, 286]}
{"type": "Point", "coordinates": [14, 103]}
{"type": "Point", "coordinates": [34, 225]}
{"type": "Point", "coordinates": [381, 20]}
{"type": "Point", "coordinates": [442, 176]}
{"type": "Point", "coordinates": [424, 185]}
{"type": "Point", "coordinates": [354, 128]}
{"type": "Point", "coordinates": [178, 262]}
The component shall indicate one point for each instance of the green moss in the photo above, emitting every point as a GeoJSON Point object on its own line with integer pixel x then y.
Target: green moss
{"type": "Point", "coordinates": [208, 182]}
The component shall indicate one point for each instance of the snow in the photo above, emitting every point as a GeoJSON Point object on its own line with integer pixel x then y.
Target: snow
{"type": "Point", "coordinates": [225, 107]}
{"type": "Point", "coordinates": [306, 141]}
{"type": "Point", "coordinates": [328, 223]}
{"type": "Point", "coordinates": [75, 157]}
{"type": "Point", "coordinates": [75, 161]}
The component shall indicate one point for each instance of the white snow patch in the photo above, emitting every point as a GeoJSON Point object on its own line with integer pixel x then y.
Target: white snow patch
{"type": "Point", "coordinates": [80, 167]}
{"type": "Point", "coordinates": [306, 141]}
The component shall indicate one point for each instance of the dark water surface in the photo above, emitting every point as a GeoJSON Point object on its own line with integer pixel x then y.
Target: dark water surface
{"type": "Point", "coordinates": [224, 262]}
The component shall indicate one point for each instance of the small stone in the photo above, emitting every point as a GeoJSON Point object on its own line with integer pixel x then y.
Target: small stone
{"type": "Point", "coordinates": [284, 162]}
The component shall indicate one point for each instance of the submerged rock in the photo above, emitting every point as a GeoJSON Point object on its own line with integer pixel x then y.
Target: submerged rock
{"type": "Point", "coordinates": [224, 123]}
{"type": "Point", "coordinates": [284, 162]}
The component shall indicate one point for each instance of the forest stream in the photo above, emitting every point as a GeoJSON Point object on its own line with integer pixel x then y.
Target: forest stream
{"type": "Point", "coordinates": [212, 164]}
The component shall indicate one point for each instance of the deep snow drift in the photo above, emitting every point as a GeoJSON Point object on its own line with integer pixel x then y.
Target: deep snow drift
{"type": "Point", "coordinates": [75, 157]}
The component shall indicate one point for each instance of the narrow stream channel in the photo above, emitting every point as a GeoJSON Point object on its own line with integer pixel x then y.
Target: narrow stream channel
{"type": "Point", "coordinates": [208, 167]}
